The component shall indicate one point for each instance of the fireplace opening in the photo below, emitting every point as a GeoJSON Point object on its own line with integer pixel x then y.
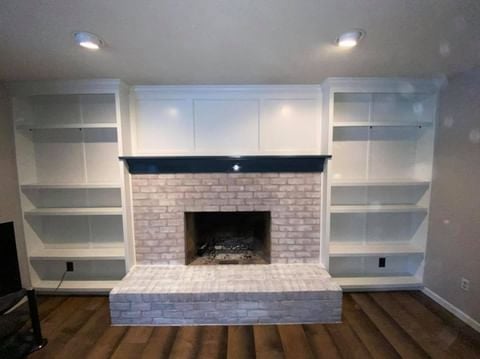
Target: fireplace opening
{"type": "Point", "coordinates": [227, 238]}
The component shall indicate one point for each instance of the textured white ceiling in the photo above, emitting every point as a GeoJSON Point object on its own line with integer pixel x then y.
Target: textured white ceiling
{"type": "Point", "coordinates": [236, 41]}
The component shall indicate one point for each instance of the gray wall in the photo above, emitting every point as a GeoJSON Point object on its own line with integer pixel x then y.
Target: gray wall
{"type": "Point", "coordinates": [453, 248]}
{"type": "Point", "coordinates": [9, 196]}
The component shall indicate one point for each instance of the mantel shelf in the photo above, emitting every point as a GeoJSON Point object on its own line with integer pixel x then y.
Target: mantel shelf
{"type": "Point", "coordinates": [224, 164]}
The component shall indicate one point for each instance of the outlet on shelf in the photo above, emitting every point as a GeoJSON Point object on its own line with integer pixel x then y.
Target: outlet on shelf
{"type": "Point", "coordinates": [382, 262]}
{"type": "Point", "coordinates": [465, 284]}
{"type": "Point", "coordinates": [69, 266]}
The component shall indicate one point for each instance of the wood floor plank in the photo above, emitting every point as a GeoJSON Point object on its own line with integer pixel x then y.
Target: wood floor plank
{"type": "Point", "coordinates": [240, 342]}
{"type": "Point", "coordinates": [370, 336]}
{"type": "Point", "coordinates": [48, 304]}
{"type": "Point", "coordinates": [52, 323]}
{"type": "Point", "coordinates": [267, 342]}
{"type": "Point", "coordinates": [45, 304]}
{"type": "Point", "coordinates": [84, 339]}
{"type": "Point", "coordinates": [186, 343]}
{"type": "Point", "coordinates": [213, 342]}
{"type": "Point", "coordinates": [107, 343]}
{"type": "Point", "coordinates": [294, 342]}
{"type": "Point", "coordinates": [321, 342]}
{"type": "Point", "coordinates": [449, 338]}
{"type": "Point", "coordinates": [59, 330]}
{"type": "Point", "coordinates": [410, 324]}
{"type": "Point", "coordinates": [348, 344]}
{"type": "Point", "coordinates": [132, 343]}
{"type": "Point", "coordinates": [452, 321]}
{"type": "Point", "coordinates": [397, 337]}
{"type": "Point", "coordinates": [160, 343]}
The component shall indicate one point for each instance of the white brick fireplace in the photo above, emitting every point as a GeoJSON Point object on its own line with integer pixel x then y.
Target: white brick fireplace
{"type": "Point", "coordinates": [269, 127]}
{"type": "Point", "coordinates": [164, 290]}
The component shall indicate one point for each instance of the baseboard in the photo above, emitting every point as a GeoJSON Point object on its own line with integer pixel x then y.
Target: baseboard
{"type": "Point", "coordinates": [452, 309]}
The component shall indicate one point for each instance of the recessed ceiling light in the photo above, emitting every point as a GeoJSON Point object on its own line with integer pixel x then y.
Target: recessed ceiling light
{"type": "Point", "coordinates": [350, 39]}
{"type": "Point", "coordinates": [88, 40]}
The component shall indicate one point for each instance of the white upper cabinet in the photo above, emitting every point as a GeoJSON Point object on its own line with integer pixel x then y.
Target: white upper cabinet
{"type": "Point", "coordinates": [164, 126]}
{"type": "Point", "coordinates": [226, 127]}
{"type": "Point", "coordinates": [290, 126]}
{"type": "Point", "coordinates": [217, 120]}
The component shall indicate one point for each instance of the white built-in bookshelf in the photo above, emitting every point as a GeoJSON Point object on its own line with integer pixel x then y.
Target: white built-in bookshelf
{"type": "Point", "coordinates": [68, 140]}
{"type": "Point", "coordinates": [381, 135]}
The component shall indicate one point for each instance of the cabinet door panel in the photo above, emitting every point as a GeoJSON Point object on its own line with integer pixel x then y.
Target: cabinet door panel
{"type": "Point", "coordinates": [226, 126]}
{"type": "Point", "coordinates": [164, 126]}
{"type": "Point", "coordinates": [290, 126]}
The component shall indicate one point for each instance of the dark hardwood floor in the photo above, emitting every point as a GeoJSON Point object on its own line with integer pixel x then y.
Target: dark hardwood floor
{"type": "Point", "coordinates": [375, 325]}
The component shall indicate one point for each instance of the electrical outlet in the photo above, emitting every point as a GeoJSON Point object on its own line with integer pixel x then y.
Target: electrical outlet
{"type": "Point", "coordinates": [465, 284]}
{"type": "Point", "coordinates": [69, 266]}
{"type": "Point", "coordinates": [382, 262]}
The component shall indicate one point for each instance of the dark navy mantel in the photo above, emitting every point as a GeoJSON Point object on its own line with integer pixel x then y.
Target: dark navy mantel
{"type": "Point", "coordinates": [224, 164]}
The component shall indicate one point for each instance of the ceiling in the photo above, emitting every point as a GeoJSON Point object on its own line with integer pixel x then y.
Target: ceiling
{"type": "Point", "coordinates": [236, 41]}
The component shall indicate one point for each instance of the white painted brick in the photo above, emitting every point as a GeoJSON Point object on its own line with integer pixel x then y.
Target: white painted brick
{"type": "Point", "coordinates": [304, 294]}
{"type": "Point", "coordinates": [165, 197]}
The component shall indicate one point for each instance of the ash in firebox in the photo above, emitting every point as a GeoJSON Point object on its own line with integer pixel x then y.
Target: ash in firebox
{"type": "Point", "coordinates": [229, 248]}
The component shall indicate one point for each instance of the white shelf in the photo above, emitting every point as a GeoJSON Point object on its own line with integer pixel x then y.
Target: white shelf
{"type": "Point", "coordinates": [383, 124]}
{"type": "Point", "coordinates": [379, 182]}
{"type": "Point", "coordinates": [387, 208]}
{"type": "Point", "coordinates": [79, 254]}
{"type": "Point", "coordinates": [369, 283]}
{"type": "Point", "coordinates": [70, 186]}
{"type": "Point", "coordinates": [66, 126]}
{"type": "Point", "coordinates": [362, 250]}
{"type": "Point", "coordinates": [76, 286]}
{"type": "Point", "coordinates": [97, 211]}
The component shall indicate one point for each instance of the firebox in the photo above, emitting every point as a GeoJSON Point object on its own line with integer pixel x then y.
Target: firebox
{"type": "Point", "coordinates": [227, 238]}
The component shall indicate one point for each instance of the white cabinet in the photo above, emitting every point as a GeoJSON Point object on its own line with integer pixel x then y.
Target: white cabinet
{"type": "Point", "coordinates": [72, 184]}
{"type": "Point", "coordinates": [378, 181]}
{"type": "Point", "coordinates": [290, 126]}
{"type": "Point", "coordinates": [227, 120]}
{"type": "Point", "coordinates": [226, 126]}
{"type": "Point", "coordinates": [164, 126]}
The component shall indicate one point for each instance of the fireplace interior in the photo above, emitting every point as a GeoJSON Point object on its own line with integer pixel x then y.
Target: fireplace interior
{"type": "Point", "coordinates": [227, 238]}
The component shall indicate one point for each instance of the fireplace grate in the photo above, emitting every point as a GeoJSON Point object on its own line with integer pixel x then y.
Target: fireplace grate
{"type": "Point", "coordinates": [227, 237]}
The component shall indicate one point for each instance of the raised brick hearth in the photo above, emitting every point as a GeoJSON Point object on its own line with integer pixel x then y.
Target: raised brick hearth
{"type": "Point", "coordinates": [226, 294]}
{"type": "Point", "coordinates": [160, 202]}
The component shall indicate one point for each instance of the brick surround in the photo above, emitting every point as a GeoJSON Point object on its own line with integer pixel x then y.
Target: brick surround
{"type": "Point", "coordinates": [292, 198]}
